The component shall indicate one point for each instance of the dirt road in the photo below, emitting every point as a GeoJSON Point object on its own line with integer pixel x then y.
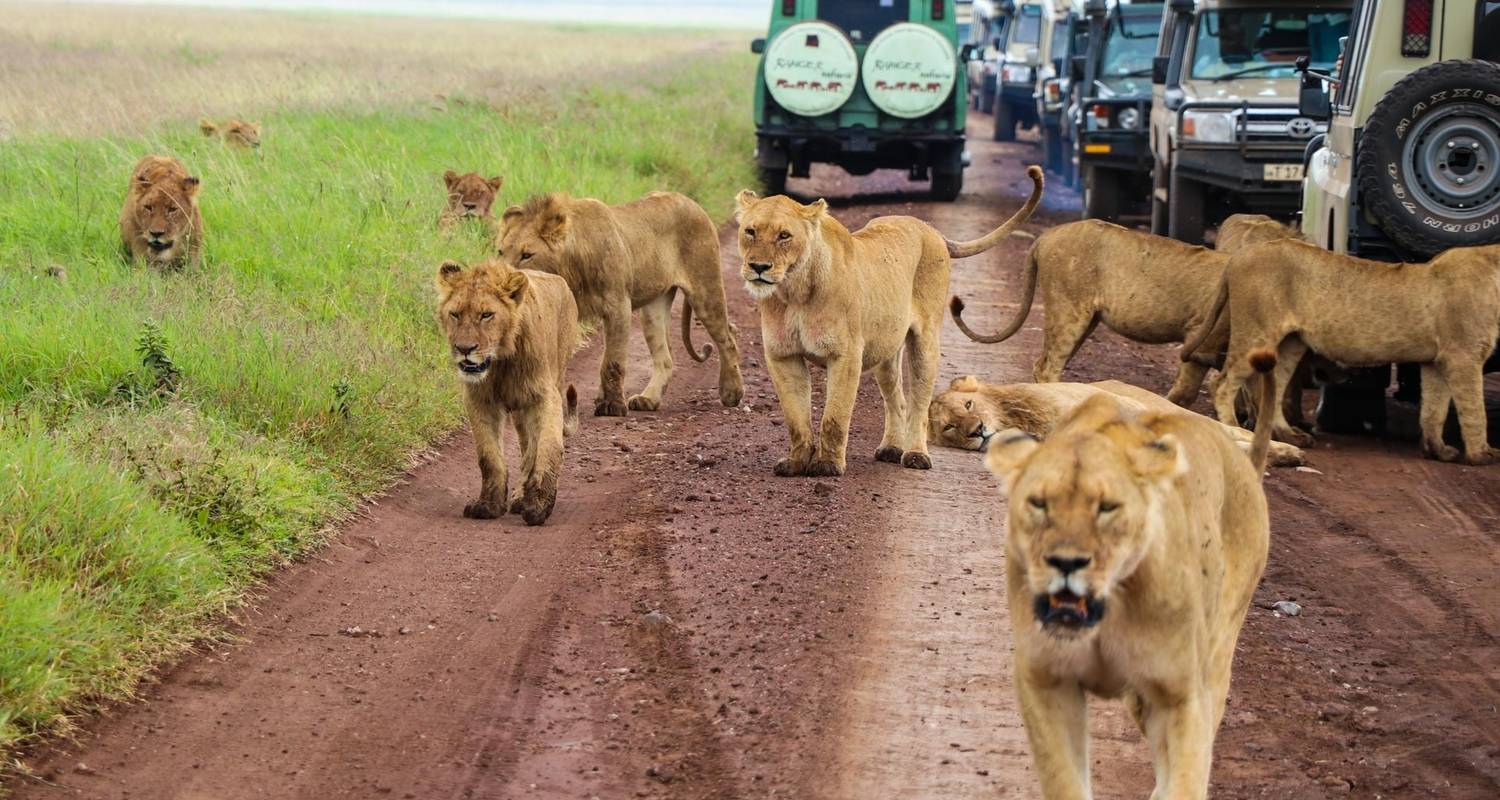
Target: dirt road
{"type": "Point", "coordinates": [688, 626]}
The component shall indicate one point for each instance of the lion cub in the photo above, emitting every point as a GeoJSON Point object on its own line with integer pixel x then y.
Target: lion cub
{"type": "Point", "coordinates": [1135, 543]}
{"type": "Point", "coordinates": [851, 302]}
{"type": "Point", "coordinates": [159, 221]}
{"type": "Point", "coordinates": [511, 333]}
{"type": "Point", "coordinates": [470, 196]}
{"type": "Point", "coordinates": [235, 132]}
{"type": "Point", "coordinates": [626, 258]}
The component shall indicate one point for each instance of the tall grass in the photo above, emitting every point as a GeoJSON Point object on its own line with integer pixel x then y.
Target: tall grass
{"type": "Point", "coordinates": [165, 438]}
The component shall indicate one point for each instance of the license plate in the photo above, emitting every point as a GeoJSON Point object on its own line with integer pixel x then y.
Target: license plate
{"type": "Point", "coordinates": [1282, 172]}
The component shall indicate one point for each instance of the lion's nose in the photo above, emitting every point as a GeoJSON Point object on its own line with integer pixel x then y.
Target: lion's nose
{"type": "Point", "coordinates": [471, 206]}
{"type": "Point", "coordinates": [760, 269]}
{"type": "Point", "coordinates": [465, 349]}
{"type": "Point", "coordinates": [1068, 565]}
{"type": "Point", "coordinates": [158, 234]}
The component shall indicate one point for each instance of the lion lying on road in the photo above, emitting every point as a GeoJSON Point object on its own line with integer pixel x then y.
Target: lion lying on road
{"type": "Point", "coordinates": [235, 132]}
{"type": "Point", "coordinates": [618, 259]}
{"type": "Point", "coordinates": [159, 221]}
{"type": "Point", "coordinates": [512, 333]}
{"type": "Point", "coordinates": [970, 413]}
{"type": "Point", "coordinates": [470, 196]}
{"type": "Point", "coordinates": [1291, 296]}
{"type": "Point", "coordinates": [1135, 542]}
{"type": "Point", "coordinates": [851, 303]}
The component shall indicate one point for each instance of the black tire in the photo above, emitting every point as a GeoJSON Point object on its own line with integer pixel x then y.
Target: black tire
{"type": "Point", "coordinates": [1005, 120]}
{"type": "Point", "coordinates": [1185, 209]}
{"type": "Point", "coordinates": [947, 185]}
{"type": "Point", "coordinates": [986, 100]}
{"type": "Point", "coordinates": [1052, 150]}
{"type": "Point", "coordinates": [1101, 193]}
{"type": "Point", "coordinates": [773, 180]}
{"type": "Point", "coordinates": [1429, 158]}
{"type": "Point", "coordinates": [1070, 164]}
{"type": "Point", "coordinates": [1158, 206]}
{"type": "Point", "coordinates": [1355, 406]}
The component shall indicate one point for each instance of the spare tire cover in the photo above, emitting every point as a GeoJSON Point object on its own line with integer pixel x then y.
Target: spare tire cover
{"type": "Point", "coordinates": [811, 68]}
{"type": "Point", "coordinates": [909, 70]}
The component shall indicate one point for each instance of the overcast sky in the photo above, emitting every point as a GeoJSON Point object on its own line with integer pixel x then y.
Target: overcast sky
{"type": "Point", "coordinates": [729, 13]}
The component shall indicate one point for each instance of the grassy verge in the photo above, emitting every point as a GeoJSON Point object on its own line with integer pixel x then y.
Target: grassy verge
{"type": "Point", "coordinates": [164, 439]}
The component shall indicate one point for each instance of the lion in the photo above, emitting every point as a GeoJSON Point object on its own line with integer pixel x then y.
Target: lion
{"type": "Point", "coordinates": [234, 131]}
{"type": "Point", "coordinates": [470, 196]}
{"type": "Point", "coordinates": [970, 413]}
{"type": "Point", "coordinates": [1135, 542]}
{"type": "Point", "coordinates": [625, 258]}
{"type": "Point", "coordinates": [851, 302]}
{"type": "Point", "coordinates": [1293, 296]}
{"type": "Point", "coordinates": [159, 221]}
{"type": "Point", "coordinates": [1240, 231]}
{"type": "Point", "coordinates": [512, 333]}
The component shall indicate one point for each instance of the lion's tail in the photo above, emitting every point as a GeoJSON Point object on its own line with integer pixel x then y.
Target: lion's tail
{"type": "Point", "coordinates": [687, 333]}
{"type": "Point", "coordinates": [994, 237]}
{"type": "Point", "coordinates": [1264, 361]}
{"type": "Point", "coordinates": [570, 412]}
{"type": "Point", "coordinates": [207, 126]}
{"type": "Point", "coordinates": [1028, 292]}
{"type": "Point", "coordinates": [1195, 340]}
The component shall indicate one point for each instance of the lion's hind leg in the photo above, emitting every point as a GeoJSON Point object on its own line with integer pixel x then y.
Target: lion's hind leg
{"type": "Point", "coordinates": [654, 318]}
{"type": "Point", "coordinates": [1068, 325]}
{"type": "Point", "coordinates": [922, 351]}
{"type": "Point", "coordinates": [893, 397]}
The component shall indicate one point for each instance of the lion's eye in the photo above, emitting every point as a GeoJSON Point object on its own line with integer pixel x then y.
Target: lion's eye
{"type": "Point", "coordinates": [750, 232]}
{"type": "Point", "coordinates": [1037, 502]}
{"type": "Point", "coordinates": [1108, 506]}
{"type": "Point", "coordinates": [949, 427]}
{"type": "Point", "coordinates": [968, 405]}
{"type": "Point", "coordinates": [525, 256]}
{"type": "Point", "coordinates": [783, 236]}
{"type": "Point", "coordinates": [486, 316]}
{"type": "Point", "coordinates": [453, 314]}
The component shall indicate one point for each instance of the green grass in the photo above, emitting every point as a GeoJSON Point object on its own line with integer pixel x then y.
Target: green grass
{"type": "Point", "coordinates": [167, 438]}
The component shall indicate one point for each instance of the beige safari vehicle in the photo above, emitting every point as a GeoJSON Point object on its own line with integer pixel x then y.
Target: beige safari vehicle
{"type": "Point", "coordinates": [1226, 134]}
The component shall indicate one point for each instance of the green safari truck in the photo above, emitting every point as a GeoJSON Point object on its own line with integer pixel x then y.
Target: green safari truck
{"type": "Point", "coordinates": [864, 85]}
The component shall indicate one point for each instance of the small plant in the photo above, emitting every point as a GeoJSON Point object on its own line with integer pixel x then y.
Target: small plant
{"type": "Point", "coordinates": [152, 347]}
{"type": "Point", "coordinates": [343, 395]}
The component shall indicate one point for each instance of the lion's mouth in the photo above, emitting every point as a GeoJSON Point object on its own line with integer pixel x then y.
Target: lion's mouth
{"type": "Point", "coordinates": [475, 367]}
{"type": "Point", "coordinates": [762, 280]}
{"type": "Point", "coordinates": [1067, 611]}
{"type": "Point", "coordinates": [159, 245]}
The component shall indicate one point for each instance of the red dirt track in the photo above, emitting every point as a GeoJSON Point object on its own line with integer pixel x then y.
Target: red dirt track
{"type": "Point", "coordinates": [686, 625]}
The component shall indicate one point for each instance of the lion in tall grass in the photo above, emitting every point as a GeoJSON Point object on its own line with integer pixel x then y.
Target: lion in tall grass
{"type": "Point", "coordinates": [159, 221]}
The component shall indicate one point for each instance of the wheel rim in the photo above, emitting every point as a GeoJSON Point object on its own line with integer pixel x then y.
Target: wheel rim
{"type": "Point", "coordinates": [1454, 158]}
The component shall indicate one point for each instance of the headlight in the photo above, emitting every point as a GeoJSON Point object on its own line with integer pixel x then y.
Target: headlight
{"type": "Point", "coordinates": [1214, 127]}
{"type": "Point", "coordinates": [1129, 119]}
{"type": "Point", "coordinates": [1015, 73]}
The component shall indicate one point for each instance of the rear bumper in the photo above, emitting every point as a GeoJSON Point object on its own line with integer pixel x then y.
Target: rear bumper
{"type": "Point", "coordinates": [856, 149]}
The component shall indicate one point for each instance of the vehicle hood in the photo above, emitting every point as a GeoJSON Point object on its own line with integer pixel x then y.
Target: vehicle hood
{"type": "Point", "coordinates": [1246, 88]}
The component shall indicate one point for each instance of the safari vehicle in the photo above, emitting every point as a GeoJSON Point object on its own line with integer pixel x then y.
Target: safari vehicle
{"type": "Point", "coordinates": [987, 23]}
{"type": "Point", "coordinates": [1226, 135]}
{"type": "Point", "coordinates": [1063, 33]}
{"type": "Point", "coordinates": [1114, 153]}
{"type": "Point", "coordinates": [1016, 71]}
{"type": "Point", "coordinates": [1410, 165]}
{"type": "Point", "coordinates": [862, 85]}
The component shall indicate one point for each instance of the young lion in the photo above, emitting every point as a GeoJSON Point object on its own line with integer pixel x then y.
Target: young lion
{"type": "Point", "coordinates": [851, 303]}
{"type": "Point", "coordinates": [969, 414]}
{"type": "Point", "coordinates": [1292, 296]}
{"type": "Point", "coordinates": [512, 333]}
{"type": "Point", "coordinates": [470, 196]}
{"type": "Point", "coordinates": [235, 132]}
{"type": "Point", "coordinates": [159, 221]}
{"type": "Point", "coordinates": [1135, 543]}
{"type": "Point", "coordinates": [619, 259]}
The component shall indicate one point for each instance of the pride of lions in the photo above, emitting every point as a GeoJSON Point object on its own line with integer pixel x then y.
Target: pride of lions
{"type": "Point", "coordinates": [1138, 530]}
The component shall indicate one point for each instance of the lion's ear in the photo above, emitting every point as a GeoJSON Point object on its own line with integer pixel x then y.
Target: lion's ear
{"type": "Point", "coordinates": [815, 209]}
{"type": "Point", "coordinates": [449, 178]}
{"type": "Point", "coordinates": [190, 185]}
{"type": "Point", "coordinates": [514, 284]}
{"type": "Point", "coordinates": [496, 182]}
{"type": "Point", "coordinates": [554, 227]}
{"type": "Point", "coordinates": [207, 126]}
{"type": "Point", "coordinates": [744, 200]}
{"type": "Point", "coordinates": [1159, 460]}
{"type": "Point", "coordinates": [966, 383]}
{"type": "Point", "coordinates": [447, 275]}
{"type": "Point", "coordinates": [1007, 453]}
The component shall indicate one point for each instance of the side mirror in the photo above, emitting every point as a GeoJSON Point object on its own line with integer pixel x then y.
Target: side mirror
{"type": "Point", "coordinates": [758, 45]}
{"type": "Point", "coordinates": [969, 52]}
{"type": "Point", "coordinates": [1077, 66]}
{"type": "Point", "coordinates": [1159, 66]}
{"type": "Point", "coordinates": [1312, 101]}
{"type": "Point", "coordinates": [1033, 56]}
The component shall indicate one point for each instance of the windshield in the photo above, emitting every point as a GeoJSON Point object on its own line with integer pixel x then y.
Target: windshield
{"type": "Point", "coordinates": [1125, 62]}
{"type": "Point", "coordinates": [1059, 39]}
{"type": "Point", "coordinates": [1028, 26]}
{"type": "Point", "coordinates": [1265, 42]}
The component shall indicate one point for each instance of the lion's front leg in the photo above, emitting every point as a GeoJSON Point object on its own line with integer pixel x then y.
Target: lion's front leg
{"type": "Point", "coordinates": [794, 392]}
{"type": "Point", "coordinates": [485, 421]}
{"type": "Point", "coordinates": [611, 399]}
{"type": "Point", "coordinates": [542, 463]}
{"type": "Point", "coordinates": [1182, 743]}
{"type": "Point", "coordinates": [1056, 717]}
{"type": "Point", "coordinates": [838, 409]}
{"type": "Point", "coordinates": [892, 443]}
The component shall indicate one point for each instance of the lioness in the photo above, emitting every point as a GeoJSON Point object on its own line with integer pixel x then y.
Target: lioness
{"type": "Point", "coordinates": [851, 303]}
{"type": "Point", "coordinates": [1245, 230]}
{"type": "Point", "coordinates": [512, 333]}
{"type": "Point", "coordinates": [618, 259]}
{"type": "Point", "coordinates": [235, 132]}
{"type": "Point", "coordinates": [470, 196]}
{"type": "Point", "coordinates": [1135, 543]}
{"type": "Point", "coordinates": [159, 221]}
{"type": "Point", "coordinates": [1294, 296]}
{"type": "Point", "coordinates": [969, 414]}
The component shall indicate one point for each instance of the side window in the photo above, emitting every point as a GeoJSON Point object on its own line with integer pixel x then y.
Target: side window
{"type": "Point", "coordinates": [1028, 26]}
{"type": "Point", "coordinates": [1487, 30]}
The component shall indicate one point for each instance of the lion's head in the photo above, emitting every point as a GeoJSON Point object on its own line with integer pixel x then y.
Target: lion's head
{"type": "Point", "coordinates": [776, 237]}
{"type": "Point", "coordinates": [236, 132]}
{"type": "Point", "coordinates": [471, 194]}
{"type": "Point", "coordinates": [1085, 508]}
{"type": "Point", "coordinates": [967, 416]}
{"type": "Point", "coordinates": [163, 211]}
{"type": "Point", "coordinates": [479, 310]}
{"type": "Point", "coordinates": [535, 235]}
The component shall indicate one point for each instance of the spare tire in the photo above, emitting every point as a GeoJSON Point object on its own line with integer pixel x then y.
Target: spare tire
{"type": "Point", "coordinates": [909, 70]}
{"type": "Point", "coordinates": [811, 69]}
{"type": "Point", "coordinates": [1429, 158]}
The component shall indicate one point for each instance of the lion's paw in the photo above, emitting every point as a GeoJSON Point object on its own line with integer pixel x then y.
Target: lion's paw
{"type": "Point", "coordinates": [731, 396]}
{"type": "Point", "coordinates": [888, 454]}
{"type": "Point", "coordinates": [1440, 451]}
{"type": "Point", "coordinates": [609, 408]}
{"type": "Point", "coordinates": [1293, 436]}
{"type": "Point", "coordinates": [643, 403]}
{"type": "Point", "coordinates": [535, 512]}
{"type": "Point", "coordinates": [916, 460]}
{"type": "Point", "coordinates": [481, 509]}
{"type": "Point", "coordinates": [1481, 458]}
{"type": "Point", "coordinates": [790, 468]}
{"type": "Point", "coordinates": [823, 468]}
